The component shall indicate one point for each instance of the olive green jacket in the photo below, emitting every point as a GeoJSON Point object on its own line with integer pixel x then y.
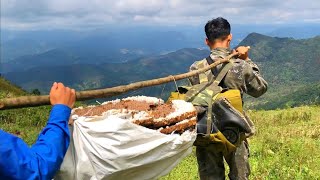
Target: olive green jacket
{"type": "Point", "coordinates": [244, 75]}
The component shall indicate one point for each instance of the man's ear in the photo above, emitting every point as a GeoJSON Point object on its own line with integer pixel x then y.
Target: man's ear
{"type": "Point", "coordinates": [230, 37]}
{"type": "Point", "coordinates": [207, 42]}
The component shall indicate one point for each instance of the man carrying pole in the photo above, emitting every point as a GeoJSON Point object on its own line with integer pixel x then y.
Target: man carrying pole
{"type": "Point", "coordinates": [244, 76]}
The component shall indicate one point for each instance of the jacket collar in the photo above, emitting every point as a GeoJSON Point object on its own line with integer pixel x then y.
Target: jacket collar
{"type": "Point", "coordinates": [221, 51]}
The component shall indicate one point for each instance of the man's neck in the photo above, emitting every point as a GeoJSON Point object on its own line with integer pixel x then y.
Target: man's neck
{"type": "Point", "coordinates": [221, 44]}
{"type": "Point", "coordinates": [215, 47]}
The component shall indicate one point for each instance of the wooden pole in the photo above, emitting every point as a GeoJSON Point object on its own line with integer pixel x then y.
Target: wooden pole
{"type": "Point", "coordinates": [30, 101]}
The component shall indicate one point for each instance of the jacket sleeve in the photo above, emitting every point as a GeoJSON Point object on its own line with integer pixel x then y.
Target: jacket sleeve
{"type": "Point", "coordinates": [194, 79]}
{"type": "Point", "coordinates": [254, 82]}
{"type": "Point", "coordinates": [41, 160]}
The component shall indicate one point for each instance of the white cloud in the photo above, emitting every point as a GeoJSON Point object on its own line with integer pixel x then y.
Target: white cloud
{"type": "Point", "coordinates": [62, 14]}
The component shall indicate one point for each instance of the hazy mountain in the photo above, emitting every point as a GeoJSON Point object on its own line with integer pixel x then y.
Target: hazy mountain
{"type": "Point", "coordinates": [21, 50]}
{"type": "Point", "coordinates": [15, 44]}
{"type": "Point", "coordinates": [289, 65]}
{"type": "Point", "coordinates": [25, 50]}
{"type": "Point", "coordinates": [286, 61]}
{"type": "Point", "coordinates": [297, 32]}
{"type": "Point", "coordinates": [143, 39]}
{"type": "Point", "coordinates": [99, 42]}
{"type": "Point", "coordinates": [70, 56]}
{"type": "Point", "coordinates": [87, 76]}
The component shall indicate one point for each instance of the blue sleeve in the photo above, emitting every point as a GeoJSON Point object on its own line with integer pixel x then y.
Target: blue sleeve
{"type": "Point", "coordinates": [43, 159]}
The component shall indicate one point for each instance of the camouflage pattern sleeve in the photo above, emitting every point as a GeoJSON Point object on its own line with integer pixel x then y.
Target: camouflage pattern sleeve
{"type": "Point", "coordinates": [255, 84]}
{"type": "Point", "coordinates": [194, 79]}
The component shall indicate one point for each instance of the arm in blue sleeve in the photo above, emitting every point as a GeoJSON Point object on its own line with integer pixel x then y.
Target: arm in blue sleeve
{"type": "Point", "coordinates": [43, 159]}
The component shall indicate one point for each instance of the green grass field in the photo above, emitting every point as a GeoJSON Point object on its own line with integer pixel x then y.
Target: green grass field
{"type": "Point", "coordinates": [286, 145]}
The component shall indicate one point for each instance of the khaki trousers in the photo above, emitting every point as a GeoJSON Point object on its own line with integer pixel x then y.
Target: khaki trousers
{"type": "Point", "coordinates": [211, 164]}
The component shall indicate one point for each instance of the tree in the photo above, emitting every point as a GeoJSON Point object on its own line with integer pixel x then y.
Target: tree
{"type": "Point", "coordinates": [36, 92]}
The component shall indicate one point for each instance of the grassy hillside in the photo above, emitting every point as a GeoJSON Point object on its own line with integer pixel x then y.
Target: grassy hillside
{"type": "Point", "coordinates": [291, 67]}
{"type": "Point", "coordinates": [286, 146]}
{"type": "Point", "coordinates": [285, 61]}
{"type": "Point", "coordinates": [9, 90]}
{"type": "Point", "coordinates": [286, 97]}
{"type": "Point", "coordinates": [25, 122]}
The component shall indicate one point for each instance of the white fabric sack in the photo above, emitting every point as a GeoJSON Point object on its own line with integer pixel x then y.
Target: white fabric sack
{"type": "Point", "coordinates": [114, 148]}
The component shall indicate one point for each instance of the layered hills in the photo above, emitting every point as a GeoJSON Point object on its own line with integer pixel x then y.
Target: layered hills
{"type": "Point", "coordinates": [290, 66]}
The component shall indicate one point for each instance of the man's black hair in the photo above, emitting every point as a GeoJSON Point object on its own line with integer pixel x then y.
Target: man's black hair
{"type": "Point", "coordinates": [218, 28]}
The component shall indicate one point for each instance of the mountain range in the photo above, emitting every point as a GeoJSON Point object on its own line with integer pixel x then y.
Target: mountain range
{"type": "Point", "coordinates": [108, 45]}
{"type": "Point", "coordinates": [289, 65]}
{"type": "Point", "coordinates": [89, 76]}
{"type": "Point", "coordinates": [111, 41]}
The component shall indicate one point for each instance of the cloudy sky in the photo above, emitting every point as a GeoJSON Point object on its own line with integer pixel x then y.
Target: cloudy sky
{"type": "Point", "coordinates": [74, 14]}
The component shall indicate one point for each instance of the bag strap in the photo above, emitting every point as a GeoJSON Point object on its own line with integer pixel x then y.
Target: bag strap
{"type": "Point", "coordinates": [209, 116]}
{"type": "Point", "coordinates": [210, 61]}
{"type": "Point", "coordinates": [216, 81]}
{"type": "Point", "coordinates": [223, 72]}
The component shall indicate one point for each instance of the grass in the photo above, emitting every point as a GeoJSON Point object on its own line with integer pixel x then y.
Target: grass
{"type": "Point", "coordinates": [26, 122]}
{"type": "Point", "coordinates": [286, 145]}
{"type": "Point", "coordinates": [8, 90]}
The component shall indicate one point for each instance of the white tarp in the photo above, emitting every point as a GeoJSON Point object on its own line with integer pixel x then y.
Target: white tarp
{"type": "Point", "coordinates": [113, 148]}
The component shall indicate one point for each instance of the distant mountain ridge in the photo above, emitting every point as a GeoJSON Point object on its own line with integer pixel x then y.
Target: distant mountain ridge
{"type": "Point", "coordinates": [106, 44]}
{"type": "Point", "coordinates": [286, 60]}
{"type": "Point", "coordinates": [297, 32]}
{"type": "Point", "coordinates": [150, 40]}
{"type": "Point", "coordinates": [88, 76]}
{"type": "Point", "coordinates": [287, 64]}
{"type": "Point", "coordinates": [61, 57]}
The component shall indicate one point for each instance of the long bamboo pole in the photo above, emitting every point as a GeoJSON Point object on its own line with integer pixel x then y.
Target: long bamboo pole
{"type": "Point", "coordinates": [30, 101]}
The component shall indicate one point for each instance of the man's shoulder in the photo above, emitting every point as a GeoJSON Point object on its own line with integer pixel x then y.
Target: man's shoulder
{"type": "Point", "coordinates": [241, 61]}
{"type": "Point", "coordinates": [199, 62]}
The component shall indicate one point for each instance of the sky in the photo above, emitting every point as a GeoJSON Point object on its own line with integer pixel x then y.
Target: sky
{"type": "Point", "coordinates": [80, 14]}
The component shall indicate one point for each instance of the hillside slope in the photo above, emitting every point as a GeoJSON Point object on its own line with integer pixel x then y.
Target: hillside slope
{"type": "Point", "coordinates": [285, 61]}
{"type": "Point", "coordinates": [291, 67]}
{"type": "Point", "coordinates": [25, 122]}
{"type": "Point", "coordinates": [9, 90]}
{"type": "Point", "coordinates": [89, 76]}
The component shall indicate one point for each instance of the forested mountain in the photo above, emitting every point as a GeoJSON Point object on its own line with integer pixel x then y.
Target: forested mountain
{"type": "Point", "coordinates": [290, 66]}
{"type": "Point", "coordinates": [102, 45]}
{"type": "Point", "coordinates": [70, 56]}
{"type": "Point", "coordinates": [88, 76]}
